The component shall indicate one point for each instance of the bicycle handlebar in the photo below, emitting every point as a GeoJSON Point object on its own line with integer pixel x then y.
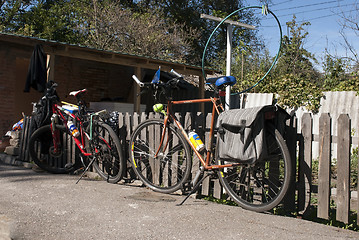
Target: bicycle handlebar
{"type": "Point", "coordinates": [172, 83]}
{"type": "Point", "coordinates": [141, 84]}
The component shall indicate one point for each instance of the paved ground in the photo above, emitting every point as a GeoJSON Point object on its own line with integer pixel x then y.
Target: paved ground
{"type": "Point", "coordinates": [38, 205]}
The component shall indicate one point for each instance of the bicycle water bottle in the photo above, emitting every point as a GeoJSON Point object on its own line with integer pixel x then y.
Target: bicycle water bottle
{"type": "Point", "coordinates": [196, 141]}
{"type": "Point", "coordinates": [73, 129]}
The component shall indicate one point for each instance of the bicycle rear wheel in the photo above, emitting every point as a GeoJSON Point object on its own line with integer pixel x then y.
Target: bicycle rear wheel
{"type": "Point", "coordinates": [261, 186]}
{"type": "Point", "coordinates": [109, 163]}
{"type": "Point", "coordinates": [163, 170]}
{"type": "Point", "coordinates": [41, 149]}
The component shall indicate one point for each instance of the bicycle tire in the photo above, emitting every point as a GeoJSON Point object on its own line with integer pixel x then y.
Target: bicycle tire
{"type": "Point", "coordinates": [261, 186]}
{"type": "Point", "coordinates": [40, 149]}
{"type": "Point", "coordinates": [109, 163]}
{"type": "Point", "coordinates": [167, 172]}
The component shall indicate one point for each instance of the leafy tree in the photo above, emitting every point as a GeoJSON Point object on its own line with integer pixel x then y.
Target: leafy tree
{"type": "Point", "coordinates": [187, 13]}
{"type": "Point", "coordinates": [107, 25]}
{"type": "Point", "coordinates": [50, 19]}
{"type": "Point", "coordinates": [334, 72]}
{"type": "Point", "coordinates": [295, 79]}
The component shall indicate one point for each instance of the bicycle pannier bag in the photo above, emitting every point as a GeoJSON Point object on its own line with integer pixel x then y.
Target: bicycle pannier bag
{"type": "Point", "coordinates": [241, 134]}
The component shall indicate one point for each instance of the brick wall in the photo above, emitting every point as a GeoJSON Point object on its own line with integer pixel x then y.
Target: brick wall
{"type": "Point", "coordinates": [103, 82]}
{"type": "Point", "coordinates": [6, 88]}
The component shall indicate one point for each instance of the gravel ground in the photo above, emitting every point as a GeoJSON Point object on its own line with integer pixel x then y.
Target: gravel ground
{"type": "Point", "coordinates": [38, 205]}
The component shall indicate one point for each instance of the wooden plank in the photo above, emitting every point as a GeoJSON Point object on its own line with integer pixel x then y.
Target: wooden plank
{"type": "Point", "coordinates": [202, 91]}
{"type": "Point", "coordinates": [125, 125]}
{"type": "Point", "coordinates": [343, 166]}
{"type": "Point", "coordinates": [189, 125]}
{"type": "Point", "coordinates": [26, 140]}
{"type": "Point", "coordinates": [50, 63]}
{"type": "Point", "coordinates": [136, 90]}
{"type": "Point", "coordinates": [199, 128]}
{"type": "Point", "coordinates": [128, 124]}
{"type": "Point", "coordinates": [324, 166]}
{"type": "Point", "coordinates": [23, 137]}
{"type": "Point", "coordinates": [175, 167]}
{"type": "Point", "coordinates": [206, 183]}
{"type": "Point", "coordinates": [135, 123]}
{"type": "Point", "coordinates": [152, 143]}
{"type": "Point", "coordinates": [305, 165]}
{"type": "Point", "coordinates": [122, 132]}
{"type": "Point", "coordinates": [217, 189]}
{"type": "Point", "coordinates": [291, 141]}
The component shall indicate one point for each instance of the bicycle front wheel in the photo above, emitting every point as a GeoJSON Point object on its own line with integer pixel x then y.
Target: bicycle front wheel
{"type": "Point", "coordinates": [106, 147]}
{"type": "Point", "coordinates": [42, 151]}
{"type": "Point", "coordinates": [260, 186]}
{"type": "Point", "coordinates": [164, 166]}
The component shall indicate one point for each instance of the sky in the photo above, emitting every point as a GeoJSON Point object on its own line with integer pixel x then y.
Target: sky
{"type": "Point", "coordinates": [324, 31]}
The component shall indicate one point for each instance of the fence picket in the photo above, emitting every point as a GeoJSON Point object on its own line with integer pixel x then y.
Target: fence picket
{"type": "Point", "coordinates": [24, 138]}
{"type": "Point", "coordinates": [305, 164]}
{"type": "Point", "coordinates": [324, 166]}
{"type": "Point", "coordinates": [206, 183]}
{"type": "Point", "coordinates": [201, 124]}
{"type": "Point", "coordinates": [343, 166]}
{"type": "Point", "coordinates": [291, 140]}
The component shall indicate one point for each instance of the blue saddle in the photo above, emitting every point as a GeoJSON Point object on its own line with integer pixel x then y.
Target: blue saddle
{"type": "Point", "coordinates": [220, 81]}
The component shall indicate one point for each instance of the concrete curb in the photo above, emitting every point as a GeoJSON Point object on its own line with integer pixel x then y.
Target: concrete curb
{"type": "Point", "coordinates": [14, 160]}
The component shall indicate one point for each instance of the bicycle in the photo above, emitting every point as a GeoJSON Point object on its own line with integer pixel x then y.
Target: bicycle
{"type": "Point", "coordinates": [97, 142]}
{"type": "Point", "coordinates": [163, 161]}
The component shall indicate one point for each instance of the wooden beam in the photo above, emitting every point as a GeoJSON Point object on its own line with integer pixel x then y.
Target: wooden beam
{"type": "Point", "coordinates": [50, 66]}
{"type": "Point", "coordinates": [201, 92]}
{"type": "Point", "coordinates": [136, 89]}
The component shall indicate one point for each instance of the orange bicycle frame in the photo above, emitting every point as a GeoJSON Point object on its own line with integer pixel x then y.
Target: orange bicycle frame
{"type": "Point", "coordinates": [216, 109]}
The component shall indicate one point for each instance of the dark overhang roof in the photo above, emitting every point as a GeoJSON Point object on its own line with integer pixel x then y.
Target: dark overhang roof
{"type": "Point", "coordinates": [83, 52]}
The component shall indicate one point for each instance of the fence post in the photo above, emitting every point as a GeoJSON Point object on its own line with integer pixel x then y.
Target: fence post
{"type": "Point", "coordinates": [199, 129]}
{"type": "Point", "coordinates": [291, 140]}
{"type": "Point", "coordinates": [25, 136]}
{"type": "Point", "coordinates": [206, 183]}
{"type": "Point", "coordinates": [324, 166]}
{"type": "Point", "coordinates": [305, 164]}
{"type": "Point", "coordinates": [343, 166]}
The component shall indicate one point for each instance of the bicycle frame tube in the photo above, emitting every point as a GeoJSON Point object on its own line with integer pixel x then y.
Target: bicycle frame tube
{"type": "Point", "coordinates": [80, 144]}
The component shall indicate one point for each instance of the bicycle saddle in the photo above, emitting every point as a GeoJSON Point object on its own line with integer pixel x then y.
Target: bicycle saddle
{"type": "Point", "coordinates": [75, 93]}
{"type": "Point", "coordinates": [220, 81]}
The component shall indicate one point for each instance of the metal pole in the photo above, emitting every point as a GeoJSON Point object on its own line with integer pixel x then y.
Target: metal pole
{"type": "Point", "coordinates": [228, 64]}
{"type": "Point", "coordinates": [229, 48]}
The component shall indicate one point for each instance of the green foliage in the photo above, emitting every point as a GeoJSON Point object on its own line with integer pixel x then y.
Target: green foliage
{"type": "Point", "coordinates": [187, 12]}
{"type": "Point", "coordinates": [294, 79]}
{"type": "Point", "coordinates": [334, 72]}
{"type": "Point", "coordinates": [54, 20]}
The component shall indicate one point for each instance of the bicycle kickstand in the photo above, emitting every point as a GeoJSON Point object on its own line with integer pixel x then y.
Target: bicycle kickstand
{"type": "Point", "coordinates": [86, 169]}
{"type": "Point", "coordinates": [196, 186]}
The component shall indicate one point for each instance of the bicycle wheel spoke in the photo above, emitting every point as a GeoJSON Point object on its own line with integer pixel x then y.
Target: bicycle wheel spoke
{"type": "Point", "coordinates": [106, 148]}
{"type": "Point", "coordinates": [42, 150]}
{"type": "Point", "coordinates": [161, 162]}
{"type": "Point", "coordinates": [262, 185]}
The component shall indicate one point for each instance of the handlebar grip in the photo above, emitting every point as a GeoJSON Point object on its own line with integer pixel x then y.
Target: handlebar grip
{"type": "Point", "coordinates": [141, 84]}
{"type": "Point", "coordinates": [176, 73]}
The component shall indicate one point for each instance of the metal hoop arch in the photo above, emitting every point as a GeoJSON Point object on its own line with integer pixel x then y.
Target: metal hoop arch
{"type": "Point", "coordinates": [275, 59]}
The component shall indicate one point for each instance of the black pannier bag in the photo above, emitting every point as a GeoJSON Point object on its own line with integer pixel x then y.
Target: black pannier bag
{"type": "Point", "coordinates": [241, 132]}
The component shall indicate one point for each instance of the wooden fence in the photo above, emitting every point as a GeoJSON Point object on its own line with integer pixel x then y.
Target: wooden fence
{"type": "Point", "coordinates": [327, 183]}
